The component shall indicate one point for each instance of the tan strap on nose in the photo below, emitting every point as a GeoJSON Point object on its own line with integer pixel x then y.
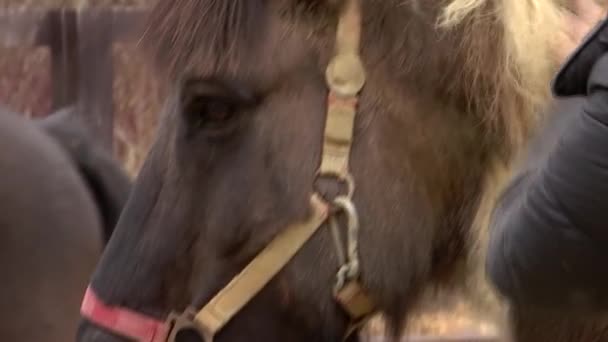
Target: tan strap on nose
{"type": "Point", "coordinates": [232, 298]}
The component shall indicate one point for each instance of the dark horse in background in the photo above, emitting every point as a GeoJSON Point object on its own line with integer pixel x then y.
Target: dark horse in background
{"type": "Point", "coordinates": [60, 197]}
{"type": "Point", "coordinates": [452, 94]}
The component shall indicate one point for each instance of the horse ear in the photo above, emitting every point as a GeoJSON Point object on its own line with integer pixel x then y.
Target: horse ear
{"type": "Point", "coordinates": [107, 181]}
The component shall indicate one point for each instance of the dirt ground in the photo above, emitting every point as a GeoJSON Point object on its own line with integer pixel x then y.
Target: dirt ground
{"type": "Point", "coordinates": [25, 87]}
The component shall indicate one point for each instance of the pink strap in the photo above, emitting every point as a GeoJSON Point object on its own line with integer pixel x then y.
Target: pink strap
{"type": "Point", "coordinates": [122, 321]}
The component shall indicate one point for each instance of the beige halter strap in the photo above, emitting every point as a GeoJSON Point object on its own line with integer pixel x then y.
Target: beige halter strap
{"type": "Point", "coordinates": [345, 77]}
{"type": "Point", "coordinates": [232, 298]}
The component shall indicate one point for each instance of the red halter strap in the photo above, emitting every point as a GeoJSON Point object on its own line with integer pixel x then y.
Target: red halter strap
{"type": "Point", "coordinates": [122, 321]}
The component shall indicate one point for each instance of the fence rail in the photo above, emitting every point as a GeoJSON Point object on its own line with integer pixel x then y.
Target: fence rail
{"type": "Point", "coordinates": [80, 43]}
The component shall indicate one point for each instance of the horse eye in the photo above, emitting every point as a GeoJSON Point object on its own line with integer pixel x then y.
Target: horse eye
{"type": "Point", "coordinates": [213, 107]}
{"type": "Point", "coordinates": [212, 110]}
{"type": "Point", "coordinates": [207, 112]}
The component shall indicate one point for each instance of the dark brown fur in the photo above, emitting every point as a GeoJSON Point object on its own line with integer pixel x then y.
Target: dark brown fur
{"type": "Point", "coordinates": [59, 197]}
{"type": "Point", "coordinates": [435, 117]}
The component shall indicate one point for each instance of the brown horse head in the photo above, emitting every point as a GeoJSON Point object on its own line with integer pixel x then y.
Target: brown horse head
{"type": "Point", "coordinates": [451, 91]}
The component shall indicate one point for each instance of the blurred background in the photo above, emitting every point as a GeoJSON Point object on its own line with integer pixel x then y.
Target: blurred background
{"type": "Point", "coordinates": [26, 80]}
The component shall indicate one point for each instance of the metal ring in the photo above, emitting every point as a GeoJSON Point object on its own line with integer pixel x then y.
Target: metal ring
{"type": "Point", "coordinates": [346, 178]}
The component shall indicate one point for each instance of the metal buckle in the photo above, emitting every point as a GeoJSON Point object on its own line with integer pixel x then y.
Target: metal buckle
{"type": "Point", "coordinates": [349, 268]}
{"type": "Point", "coordinates": [355, 301]}
{"type": "Point", "coordinates": [184, 323]}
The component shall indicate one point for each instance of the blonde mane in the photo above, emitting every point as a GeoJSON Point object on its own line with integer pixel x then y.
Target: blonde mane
{"type": "Point", "coordinates": [531, 28]}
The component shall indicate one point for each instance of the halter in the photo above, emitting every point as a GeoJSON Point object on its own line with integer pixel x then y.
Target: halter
{"type": "Point", "coordinates": [345, 77]}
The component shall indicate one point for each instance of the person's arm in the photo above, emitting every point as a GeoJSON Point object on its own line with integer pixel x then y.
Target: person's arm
{"type": "Point", "coordinates": [549, 234]}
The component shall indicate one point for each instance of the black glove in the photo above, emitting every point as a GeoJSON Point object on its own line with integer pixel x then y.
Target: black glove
{"type": "Point", "coordinates": [573, 77]}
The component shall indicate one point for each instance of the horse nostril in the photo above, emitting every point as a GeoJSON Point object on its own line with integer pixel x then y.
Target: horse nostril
{"type": "Point", "coordinates": [88, 332]}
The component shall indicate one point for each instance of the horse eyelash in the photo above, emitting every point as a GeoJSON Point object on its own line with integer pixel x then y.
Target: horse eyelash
{"type": "Point", "coordinates": [213, 88]}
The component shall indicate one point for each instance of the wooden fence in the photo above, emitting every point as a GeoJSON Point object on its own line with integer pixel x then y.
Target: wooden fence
{"type": "Point", "coordinates": [80, 43]}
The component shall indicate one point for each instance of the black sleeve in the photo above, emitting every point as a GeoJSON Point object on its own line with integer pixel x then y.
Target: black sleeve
{"type": "Point", "coordinates": [549, 232]}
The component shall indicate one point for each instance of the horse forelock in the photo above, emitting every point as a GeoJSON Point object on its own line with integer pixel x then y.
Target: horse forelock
{"type": "Point", "coordinates": [180, 31]}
